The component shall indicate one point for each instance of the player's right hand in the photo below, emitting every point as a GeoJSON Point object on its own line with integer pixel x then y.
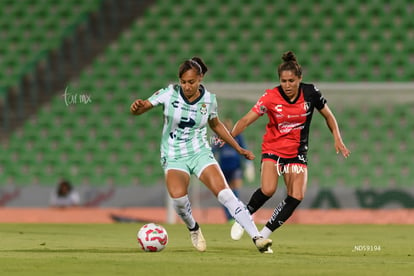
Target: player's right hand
{"type": "Point", "coordinates": [247, 154]}
{"type": "Point", "coordinates": [136, 105]}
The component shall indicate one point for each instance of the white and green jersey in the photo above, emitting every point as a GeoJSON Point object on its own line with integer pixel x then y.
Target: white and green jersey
{"type": "Point", "coordinates": [185, 124]}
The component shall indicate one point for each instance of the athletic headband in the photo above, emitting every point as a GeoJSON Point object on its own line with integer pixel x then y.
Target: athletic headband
{"type": "Point", "coordinates": [198, 65]}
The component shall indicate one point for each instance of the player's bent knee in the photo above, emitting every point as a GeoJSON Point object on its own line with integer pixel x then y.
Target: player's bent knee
{"type": "Point", "coordinates": [299, 197]}
{"type": "Point", "coordinates": [268, 191]}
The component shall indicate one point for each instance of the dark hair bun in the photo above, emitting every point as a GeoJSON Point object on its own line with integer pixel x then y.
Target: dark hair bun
{"type": "Point", "coordinates": [289, 56]}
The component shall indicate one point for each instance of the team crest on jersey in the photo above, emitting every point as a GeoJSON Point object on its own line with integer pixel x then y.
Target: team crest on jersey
{"type": "Point", "coordinates": [203, 109]}
{"type": "Point", "coordinates": [306, 106]}
{"type": "Point", "coordinates": [262, 108]}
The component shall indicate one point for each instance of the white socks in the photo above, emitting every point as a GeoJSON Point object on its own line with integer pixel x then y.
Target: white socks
{"type": "Point", "coordinates": [226, 197]}
{"type": "Point", "coordinates": [238, 210]}
{"type": "Point", "coordinates": [182, 207]}
{"type": "Point", "coordinates": [266, 232]}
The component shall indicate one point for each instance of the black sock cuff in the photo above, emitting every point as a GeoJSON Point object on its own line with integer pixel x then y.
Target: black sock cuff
{"type": "Point", "coordinates": [261, 194]}
{"type": "Point", "coordinates": [256, 201]}
{"type": "Point", "coordinates": [195, 228]}
{"type": "Point", "coordinates": [292, 200]}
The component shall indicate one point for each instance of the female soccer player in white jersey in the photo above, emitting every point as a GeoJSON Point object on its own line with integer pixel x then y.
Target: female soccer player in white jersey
{"type": "Point", "coordinates": [188, 108]}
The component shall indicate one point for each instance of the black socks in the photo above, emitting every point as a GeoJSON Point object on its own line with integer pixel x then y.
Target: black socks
{"type": "Point", "coordinates": [282, 212]}
{"type": "Point", "coordinates": [256, 201]}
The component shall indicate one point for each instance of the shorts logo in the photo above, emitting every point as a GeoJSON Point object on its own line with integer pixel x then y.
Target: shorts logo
{"type": "Point", "coordinates": [291, 165]}
{"type": "Point", "coordinates": [302, 158]}
{"type": "Point", "coordinates": [164, 162]}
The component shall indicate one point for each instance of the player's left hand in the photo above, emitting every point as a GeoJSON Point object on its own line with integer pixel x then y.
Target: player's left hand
{"type": "Point", "coordinates": [340, 147]}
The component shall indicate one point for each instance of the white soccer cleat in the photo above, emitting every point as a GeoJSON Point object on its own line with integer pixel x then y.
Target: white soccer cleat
{"type": "Point", "coordinates": [237, 231]}
{"type": "Point", "coordinates": [263, 244]}
{"type": "Point", "coordinates": [268, 251]}
{"type": "Point", "coordinates": [198, 240]}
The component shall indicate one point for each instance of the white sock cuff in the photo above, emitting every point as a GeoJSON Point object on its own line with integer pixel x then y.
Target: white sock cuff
{"type": "Point", "coordinates": [181, 201]}
{"type": "Point", "coordinates": [225, 195]}
{"type": "Point", "coordinates": [266, 232]}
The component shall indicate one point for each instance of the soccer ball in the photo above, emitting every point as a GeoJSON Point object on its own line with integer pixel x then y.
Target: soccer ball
{"type": "Point", "coordinates": [152, 237]}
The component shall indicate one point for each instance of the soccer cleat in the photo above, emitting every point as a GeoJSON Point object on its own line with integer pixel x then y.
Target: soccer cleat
{"type": "Point", "coordinates": [198, 240]}
{"type": "Point", "coordinates": [236, 231]}
{"type": "Point", "coordinates": [268, 251]}
{"type": "Point", "coordinates": [263, 244]}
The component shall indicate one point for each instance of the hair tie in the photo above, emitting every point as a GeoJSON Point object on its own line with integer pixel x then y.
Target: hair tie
{"type": "Point", "coordinates": [198, 65]}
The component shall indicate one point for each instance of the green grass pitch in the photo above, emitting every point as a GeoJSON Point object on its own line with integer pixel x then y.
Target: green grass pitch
{"type": "Point", "coordinates": [112, 249]}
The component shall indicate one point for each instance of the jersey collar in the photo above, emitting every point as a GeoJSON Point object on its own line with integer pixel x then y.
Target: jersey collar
{"type": "Point", "coordinates": [202, 91]}
{"type": "Point", "coordinates": [286, 97]}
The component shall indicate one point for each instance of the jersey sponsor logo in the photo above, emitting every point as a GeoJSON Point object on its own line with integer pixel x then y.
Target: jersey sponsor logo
{"type": "Point", "coordinates": [287, 127]}
{"type": "Point", "coordinates": [175, 104]}
{"type": "Point", "coordinates": [182, 132]}
{"type": "Point", "coordinates": [186, 122]}
{"type": "Point", "coordinates": [278, 108]}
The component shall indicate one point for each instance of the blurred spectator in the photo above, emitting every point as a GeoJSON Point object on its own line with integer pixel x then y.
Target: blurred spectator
{"type": "Point", "coordinates": [65, 195]}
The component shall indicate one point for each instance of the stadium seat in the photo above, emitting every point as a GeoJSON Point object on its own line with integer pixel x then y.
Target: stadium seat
{"type": "Point", "coordinates": [335, 42]}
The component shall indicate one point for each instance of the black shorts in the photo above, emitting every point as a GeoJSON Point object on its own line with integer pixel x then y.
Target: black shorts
{"type": "Point", "coordinates": [300, 160]}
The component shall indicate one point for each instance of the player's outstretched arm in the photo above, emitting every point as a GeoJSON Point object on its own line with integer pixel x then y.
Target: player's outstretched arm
{"type": "Point", "coordinates": [244, 122]}
{"type": "Point", "coordinates": [218, 127]}
{"type": "Point", "coordinates": [140, 106]}
{"type": "Point", "coordinates": [333, 126]}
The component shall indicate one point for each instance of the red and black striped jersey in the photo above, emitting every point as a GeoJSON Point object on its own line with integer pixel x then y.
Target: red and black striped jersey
{"type": "Point", "coordinates": [287, 131]}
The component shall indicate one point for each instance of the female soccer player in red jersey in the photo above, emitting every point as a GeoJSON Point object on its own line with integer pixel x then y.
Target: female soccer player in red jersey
{"type": "Point", "coordinates": [289, 108]}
